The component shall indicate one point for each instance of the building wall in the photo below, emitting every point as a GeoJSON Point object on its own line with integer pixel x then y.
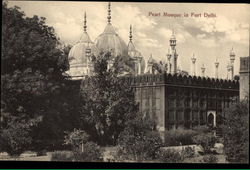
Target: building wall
{"type": "Point", "coordinates": [183, 101]}
{"type": "Point", "coordinates": [176, 101]}
{"type": "Point", "coordinates": [244, 77]}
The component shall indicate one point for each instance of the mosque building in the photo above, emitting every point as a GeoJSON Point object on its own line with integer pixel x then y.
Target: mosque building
{"type": "Point", "coordinates": [172, 96]}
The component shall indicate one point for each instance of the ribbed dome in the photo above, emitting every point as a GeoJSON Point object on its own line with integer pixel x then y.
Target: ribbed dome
{"type": "Point", "coordinates": [109, 40]}
{"type": "Point", "coordinates": [77, 54]}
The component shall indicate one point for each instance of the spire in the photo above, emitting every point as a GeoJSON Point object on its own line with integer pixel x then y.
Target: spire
{"type": "Point", "coordinates": [109, 13]}
{"type": "Point", "coordinates": [130, 34]}
{"type": "Point", "coordinates": [85, 22]}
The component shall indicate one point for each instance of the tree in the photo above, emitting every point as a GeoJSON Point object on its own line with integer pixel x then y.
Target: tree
{"type": "Point", "coordinates": [236, 132]}
{"type": "Point", "coordinates": [76, 139]}
{"type": "Point", "coordinates": [139, 141]}
{"type": "Point", "coordinates": [32, 81]}
{"type": "Point", "coordinates": [108, 100]}
{"type": "Point", "coordinates": [15, 139]}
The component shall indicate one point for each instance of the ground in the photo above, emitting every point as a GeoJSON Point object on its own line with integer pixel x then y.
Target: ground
{"type": "Point", "coordinates": [31, 156]}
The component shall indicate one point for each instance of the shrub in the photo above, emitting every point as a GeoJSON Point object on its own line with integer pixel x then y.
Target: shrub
{"type": "Point", "coordinates": [188, 152]}
{"type": "Point", "coordinates": [76, 139]}
{"type": "Point", "coordinates": [140, 148]}
{"type": "Point", "coordinates": [139, 141]}
{"type": "Point", "coordinates": [15, 139]}
{"type": "Point", "coordinates": [210, 159]}
{"type": "Point", "coordinates": [62, 156]}
{"type": "Point", "coordinates": [207, 141]}
{"type": "Point", "coordinates": [41, 153]}
{"type": "Point", "coordinates": [202, 129]}
{"type": "Point", "coordinates": [179, 137]}
{"type": "Point", "coordinates": [169, 156]}
{"type": "Point", "coordinates": [236, 132]}
{"type": "Point", "coordinates": [91, 153]}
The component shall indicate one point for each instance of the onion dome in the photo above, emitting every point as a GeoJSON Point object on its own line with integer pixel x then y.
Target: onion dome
{"type": "Point", "coordinates": [77, 55]}
{"type": "Point", "coordinates": [132, 52]}
{"type": "Point", "coordinates": [110, 41]}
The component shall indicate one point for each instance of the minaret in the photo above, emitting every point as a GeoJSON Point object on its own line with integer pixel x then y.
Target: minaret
{"type": "Point", "coordinates": [203, 69]}
{"type": "Point", "coordinates": [169, 62]}
{"type": "Point", "coordinates": [232, 58]}
{"type": "Point", "coordinates": [216, 68]}
{"type": "Point", "coordinates": [174, 54]}
{"type": "Point", "coordinates": [193, 59]}
{"type": "Point", "coordinates": [88, 49]}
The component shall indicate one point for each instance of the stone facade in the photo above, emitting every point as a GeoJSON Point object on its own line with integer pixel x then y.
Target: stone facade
{"type": "Point", "coordinates": [244, 77]}
{"type": "Point", "coordinates": [183, 101]}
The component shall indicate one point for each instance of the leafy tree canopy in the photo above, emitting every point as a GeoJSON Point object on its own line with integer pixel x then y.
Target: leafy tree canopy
{"type": "Point", "coordinates": [33, 63]}
{"type": "Point", "coordinates": [236, 132]}
{"type": "Point", "coordinates": [108, 100]}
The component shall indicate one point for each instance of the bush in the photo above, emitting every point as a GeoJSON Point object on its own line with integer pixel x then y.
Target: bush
{"type": "Point", "coordinates": [91, 153]}
{"type": "Point", "coordinates": [210, 159]}
{"type": "Point", "coordinates": [169, 156]}
{"type": "Point", "coordinates": [207, 141]}
{"type": "Point", "coordinates": [188, 152]}
{"type": "Point", "coordinates": [15, 139]}
{"type": "Point", "coordinates": [140, 148]}
{"type": "Point", "coordinates": [62, 156]}
{"type": "Point", "coordinates": [179, 137]}
{"type": "Point", "coordinates": [76, 139]}
{"type": "Point", "coordinates": [202, 129]}
{"type": "Point", "coordinates": [236, 132]}
{"type": "Point", "coordinates": [139, 141]}
{"type": "Point", "coordinates": [41, 153]}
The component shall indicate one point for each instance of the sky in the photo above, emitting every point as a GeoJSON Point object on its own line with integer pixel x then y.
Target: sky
{"type": "Point", "coordinates": [208, 38]}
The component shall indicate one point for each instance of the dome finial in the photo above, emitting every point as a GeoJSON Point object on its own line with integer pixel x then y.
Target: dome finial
{"type": "Point", "coordinates": [130, 33]}
{"type": "Point", "coordinates": [109, 13]}
{"type": "Point", "coordinates": [85, 22]}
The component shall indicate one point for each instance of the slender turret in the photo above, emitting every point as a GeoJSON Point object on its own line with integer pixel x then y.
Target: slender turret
{"type": "Point", "coordinates": [193, 59]}
{"type": "Point", "coordinates": [203, 69]}
{"type": "Point", "coordinates": [174, 54]}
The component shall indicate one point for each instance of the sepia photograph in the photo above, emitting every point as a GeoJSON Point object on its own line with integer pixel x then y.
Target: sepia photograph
{"type": "Point", "coordinates": [124, 82]}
